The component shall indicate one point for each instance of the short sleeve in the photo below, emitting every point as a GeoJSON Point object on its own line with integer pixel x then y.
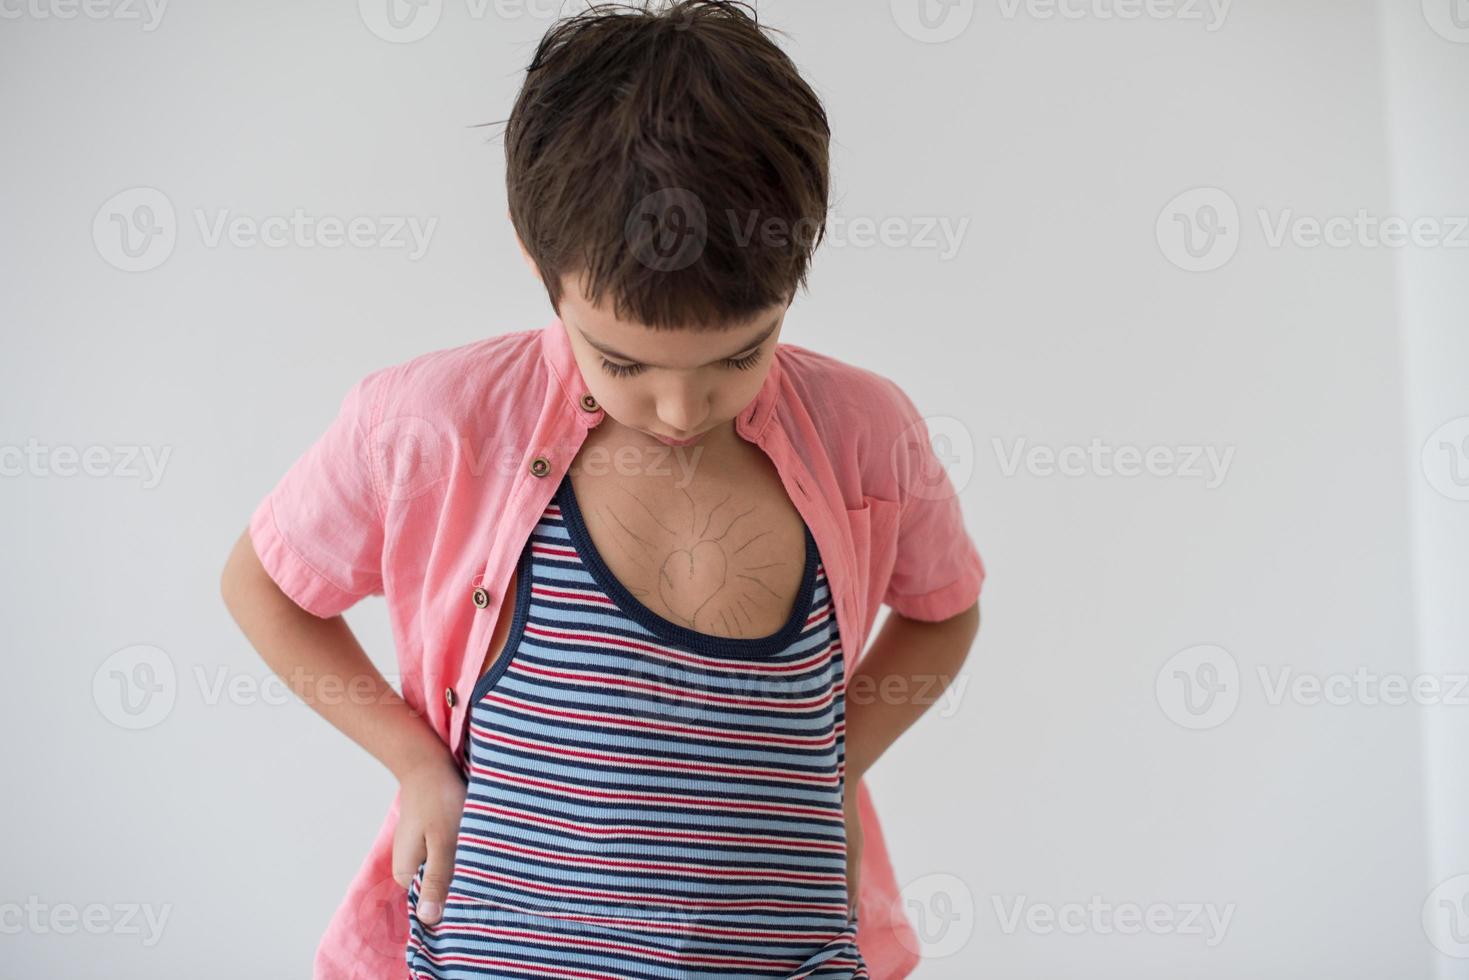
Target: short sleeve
{"type": "Point", "coordinates": [937, 572]}
{"type": "Point", "coordinates": [319, 531]}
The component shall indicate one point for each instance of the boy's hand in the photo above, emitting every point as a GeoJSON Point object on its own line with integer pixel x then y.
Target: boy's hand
{"type": "Point", "coordinates": [854, 847]}
{"type": "Point", "coordinates": [429, 813]}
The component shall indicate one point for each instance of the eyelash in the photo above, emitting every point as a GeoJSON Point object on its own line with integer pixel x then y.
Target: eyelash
{"type": "Point", "coordinates": [628, 370]}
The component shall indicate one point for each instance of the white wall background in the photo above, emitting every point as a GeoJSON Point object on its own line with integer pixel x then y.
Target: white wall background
{"type": "Point", "coordinates": [1332, 545]}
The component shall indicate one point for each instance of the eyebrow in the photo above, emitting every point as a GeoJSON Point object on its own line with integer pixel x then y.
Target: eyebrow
{"type": "Point", "coordinates": [613, 352]}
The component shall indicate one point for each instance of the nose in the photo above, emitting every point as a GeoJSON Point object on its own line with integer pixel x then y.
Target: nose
{"type": "Point", "coordinates": [683, 406]}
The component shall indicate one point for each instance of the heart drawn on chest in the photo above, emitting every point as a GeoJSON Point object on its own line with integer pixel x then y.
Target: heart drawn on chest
{"type": "Point", "coordinates": [690, 577]}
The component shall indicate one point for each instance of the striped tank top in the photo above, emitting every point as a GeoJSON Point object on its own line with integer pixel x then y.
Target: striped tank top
{"type": "Point", "coordinates": [644, 800]}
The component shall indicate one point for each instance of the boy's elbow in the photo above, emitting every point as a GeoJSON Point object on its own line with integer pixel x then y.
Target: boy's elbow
{"type": "Point", "coordinates": [968, 621]}
{"type": "Point", "coordinates": [241, 568]}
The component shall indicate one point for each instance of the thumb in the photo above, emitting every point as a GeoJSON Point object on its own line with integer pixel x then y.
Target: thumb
{"type": "Point", "coordinates": [437, 874]}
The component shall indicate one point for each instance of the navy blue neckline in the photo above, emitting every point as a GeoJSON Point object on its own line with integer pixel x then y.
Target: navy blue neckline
{"type": "Point", "coordinates": [676, 633]}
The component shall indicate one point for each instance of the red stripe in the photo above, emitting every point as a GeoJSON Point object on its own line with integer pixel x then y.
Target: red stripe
{"type": "Point", "coordinates": [683, 693]}
{"type": "Point", "coordinates": [790, 844]}
{"type": "Point", "coordinates": [610, 720]}
{"type": "Point", "coordinates": [596, 638]}
{"type": "Point", "coordinates": [584, 793]}
{"type": "Point", "coordinates": [559, 751]}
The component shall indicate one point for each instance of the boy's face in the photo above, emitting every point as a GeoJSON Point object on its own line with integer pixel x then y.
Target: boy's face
{"type": "Point", "coordinates": [676, 386]}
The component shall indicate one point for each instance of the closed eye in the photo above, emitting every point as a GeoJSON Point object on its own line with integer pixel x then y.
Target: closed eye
{"type": "Point", "coordinates": [742, 363]}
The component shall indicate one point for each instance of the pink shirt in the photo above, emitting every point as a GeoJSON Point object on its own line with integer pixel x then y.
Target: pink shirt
{"type": "Point", "coordinates": [426, 486]}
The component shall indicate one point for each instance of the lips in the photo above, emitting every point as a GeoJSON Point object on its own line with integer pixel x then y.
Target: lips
{"type": "Point", "coordinates": [667, 441]}
{"type": "Point", "coordinates": [677, 442]}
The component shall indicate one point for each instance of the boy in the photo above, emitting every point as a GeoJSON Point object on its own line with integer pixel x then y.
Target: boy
{"type": "Point", "coordinates": [630, 558]}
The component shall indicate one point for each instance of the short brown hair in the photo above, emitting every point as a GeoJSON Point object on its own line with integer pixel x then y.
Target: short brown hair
{"type": "Point", "coordinates": [671, 157]}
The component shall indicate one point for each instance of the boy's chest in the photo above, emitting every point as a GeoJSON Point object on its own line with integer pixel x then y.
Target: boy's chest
{"type": "Point", "coordinates": [703, 536]}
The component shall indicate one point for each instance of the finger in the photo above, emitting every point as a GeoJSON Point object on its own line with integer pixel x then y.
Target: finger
{"type": "Point", "coordinates": [437, 875]}
{"type": "Point", "coordinates": [407, 859]}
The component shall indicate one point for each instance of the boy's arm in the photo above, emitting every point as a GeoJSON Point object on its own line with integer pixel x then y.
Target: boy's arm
{"type": "Point", "coordinates": [321, 660]}
{"type": "Point", "coordinates": [904, 671]}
